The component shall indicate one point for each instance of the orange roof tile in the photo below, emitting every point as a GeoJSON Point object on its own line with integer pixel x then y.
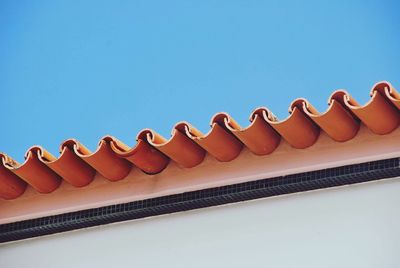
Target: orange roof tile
{"type": "Point", "coordinates": [188, 146]}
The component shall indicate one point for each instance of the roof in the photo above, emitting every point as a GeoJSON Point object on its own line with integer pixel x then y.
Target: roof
{"type": "Point", "coordinates": [188, 146]}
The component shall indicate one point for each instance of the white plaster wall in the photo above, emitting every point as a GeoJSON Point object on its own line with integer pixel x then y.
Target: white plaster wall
{"type": "Point", "coordinates": [351, 226]}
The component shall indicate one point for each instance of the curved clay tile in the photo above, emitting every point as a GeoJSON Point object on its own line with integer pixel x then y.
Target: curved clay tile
{"type": "Point", "coordinates": [11, 186]}
{"type": "Point", "coordinates": [35, 172]}
{"type": "Point", "coordinates": [379, 114]}
{"type": "Point", "coordinates": [386, 89]}
{"type": "Point", "coordinates": [298, 130]}
{"type": "Point", "coordinates": [179, 148]}
{"type": "Point", "coordinates": [104, 160]}
{"type": "Point", "coordinates": [259, 137]}
{"type": "Point", "coordinates": [69, 166]}
{"type": "Point", "coordinates": [336, 121]}
{"type": "Point", "coordinates": [144, 156]}
{"type": "Point", "coordinates": [218, 142]}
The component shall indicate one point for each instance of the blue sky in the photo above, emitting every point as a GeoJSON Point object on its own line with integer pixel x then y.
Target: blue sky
{"type": "Point", "coordinates": [91, 68]}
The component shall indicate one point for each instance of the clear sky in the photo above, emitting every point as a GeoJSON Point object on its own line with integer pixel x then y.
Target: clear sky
{"type": "Point", "coordinates": [91, 68]}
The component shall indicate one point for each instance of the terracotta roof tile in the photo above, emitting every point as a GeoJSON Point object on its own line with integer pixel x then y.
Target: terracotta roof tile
{"type": "Point", "coordinates": [259, 137]}
{"type": "Point", "coordinates": [143, 155]}
{"type": "Point", "coordinates": [188, 146]}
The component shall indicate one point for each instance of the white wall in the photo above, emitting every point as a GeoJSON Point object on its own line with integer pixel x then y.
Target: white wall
{"type": "Point", "coordinates": [351, 226]}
